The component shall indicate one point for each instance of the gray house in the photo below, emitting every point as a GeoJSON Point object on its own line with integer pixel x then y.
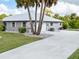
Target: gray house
{"type": "Point", "coordinates": [13, 23]}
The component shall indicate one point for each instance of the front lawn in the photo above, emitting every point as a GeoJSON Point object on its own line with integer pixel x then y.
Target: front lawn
{"type": "Point", "coordinates": [75, 55]}
{"type": "Point", "coordinates": [10, 41]}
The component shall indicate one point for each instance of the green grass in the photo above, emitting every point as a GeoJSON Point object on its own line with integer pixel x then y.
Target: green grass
{"type": "Point", "coordinates": [13, 40]}
{"type": "Point", "coordinates": [75, 55]}
{"type": "Point", "coordinates": [70, 29]}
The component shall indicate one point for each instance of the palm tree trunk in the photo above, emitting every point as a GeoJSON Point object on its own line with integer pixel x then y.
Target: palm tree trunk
{"type": "Point", "coordinates": [31, 24]}
{"type": "Point", "coordinates": [40, 19]}
{"type": "Point", "coordinates": [36, 19]}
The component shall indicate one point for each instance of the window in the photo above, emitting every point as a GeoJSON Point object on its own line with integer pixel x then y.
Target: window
{"type": "Point", "coordinates": [60, 23]}
{"type": "Point", "coordinates": [47, 24]}
{"type": "Point", "coordinates": [13, 24]}
{"type": "Point", "coordinates": [51, 23]}
{"type": "Point", "coordinates": [24, 24]}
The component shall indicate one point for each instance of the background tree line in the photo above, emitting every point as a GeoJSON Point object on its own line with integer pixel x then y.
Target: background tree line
{"type": "Point", "coordinates": [2, 27]}
{"type": "Point", "coordinates": [70, 21]}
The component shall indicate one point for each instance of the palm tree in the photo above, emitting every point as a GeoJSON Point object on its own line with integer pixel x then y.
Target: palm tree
{"type": "Point", "coordinates": [37, 4]}
{"type": "Point", "coordinates": [26, 4]}
{"type": "Point", "coordinates": [44, 4]}
{"type": "Point", "coordinates": [48, 12]}
{"type": "Point", "coordinates": [56, 16]}
{"type": "Point", "coordinates": [36, 17]}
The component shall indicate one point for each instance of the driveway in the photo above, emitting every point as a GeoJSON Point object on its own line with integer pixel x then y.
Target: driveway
{"type": "Point", "coordinates": [59, 46]}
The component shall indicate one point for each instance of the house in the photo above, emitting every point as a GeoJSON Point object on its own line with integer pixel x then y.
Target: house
{"type": "Point", "coordinates": [13, 23]}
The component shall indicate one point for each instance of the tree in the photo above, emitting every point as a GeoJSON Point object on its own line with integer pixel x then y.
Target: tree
{"type": "Point", "coordinates": [26, 4]}
{"type": "Point", "coordinates": [56, 16]}
{"type": "Point", "coordinates": [37, 4]}
{"type": "Point", "coordinates": [48, 12]}
{"type": "Point", "coordinates": [3, 16]}
{"type": "Point", "coordinates": [73, 15]}
{"type": "Point", "coordinates": [43, 4]}
{"type": "Point", "coordinates": [77, 24]}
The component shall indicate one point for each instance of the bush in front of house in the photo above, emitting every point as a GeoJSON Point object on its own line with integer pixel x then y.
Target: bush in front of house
{"type": "Point", "coordinates": [22, 29]}
{"type": "Point", "coordinates": [60, 28]}
{"type": "Point", "coordinates": [51, 29]}
{"type": "Point", "coordinates": [65, 25]}
{"type": "Point", "coordinates": [2, 27]}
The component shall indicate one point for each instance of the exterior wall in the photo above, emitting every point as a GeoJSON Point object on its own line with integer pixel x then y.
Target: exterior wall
{"type": "Point", "coordinates": [45, 27]}
{"type": "Point", "coordinates": [28, 27]}
{"type": "Point", "coordinates": [9, 26]}
{"type": "Point", "coordinates": [55, 25]}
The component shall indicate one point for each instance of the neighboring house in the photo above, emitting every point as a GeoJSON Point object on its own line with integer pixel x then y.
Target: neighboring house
{"type": "Point", "coordinates": [13, 23]}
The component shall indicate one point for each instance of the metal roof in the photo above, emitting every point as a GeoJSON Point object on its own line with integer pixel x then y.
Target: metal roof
{"type": "Point", "coordinates": [24, 17]}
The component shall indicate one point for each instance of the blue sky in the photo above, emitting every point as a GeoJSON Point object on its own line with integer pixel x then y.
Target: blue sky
{"type": "Point", "coordinates": [12, 3]}
{"type": "Point", "coordinates": [8, 3]}
{"type": "Point", "coordinates": [63, 7]}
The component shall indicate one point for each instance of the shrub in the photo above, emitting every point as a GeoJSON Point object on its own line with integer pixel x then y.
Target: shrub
{"type": "Point", "coordinates": [52, 29]}
{"type": "Point", "coordinates": [22, 30]}
{"type": "Point", "coordinates": [72, 24]}
{"type": "Point", "coordinates": [2, 28]}
{"type": "Point", "coordinates": [77, 24]}
{"type": "Point", "coordinates": [65, 25]}
{"type": "Point", "coordinates": [60, 28]}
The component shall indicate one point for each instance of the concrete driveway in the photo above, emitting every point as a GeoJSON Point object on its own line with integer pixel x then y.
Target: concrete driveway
{"type": "Point", "coordinates": [59, 46]}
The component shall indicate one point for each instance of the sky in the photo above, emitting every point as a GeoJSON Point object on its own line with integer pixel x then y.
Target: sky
{"type": "Point", "coordinates": [63, 7]}
{"type": "Point", "coordinates": [71, 1]}
{"type": "Point", "coordinates": [8, 3]}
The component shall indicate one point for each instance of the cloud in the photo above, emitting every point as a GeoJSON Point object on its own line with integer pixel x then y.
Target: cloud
{"type": "Point", "coordinates": [70, 1]}
{"type": "Point", "coordinates": [16, 11]}
{"type": "Point", "coordinates": [64, 8]}
{"type": "Point", "coordinates": [61, 8]}
{"type": "Point", "coordinates": [3, 9]}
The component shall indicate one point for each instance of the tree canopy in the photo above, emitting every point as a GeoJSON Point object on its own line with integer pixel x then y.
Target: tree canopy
{"type": "Point", "coordinates": [70, 21]}
{"type": "Point", "coordinates": [2, 16]}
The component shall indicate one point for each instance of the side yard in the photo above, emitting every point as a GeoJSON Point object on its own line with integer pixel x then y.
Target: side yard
{"type": "Point", "coordinates": [10, 41]}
